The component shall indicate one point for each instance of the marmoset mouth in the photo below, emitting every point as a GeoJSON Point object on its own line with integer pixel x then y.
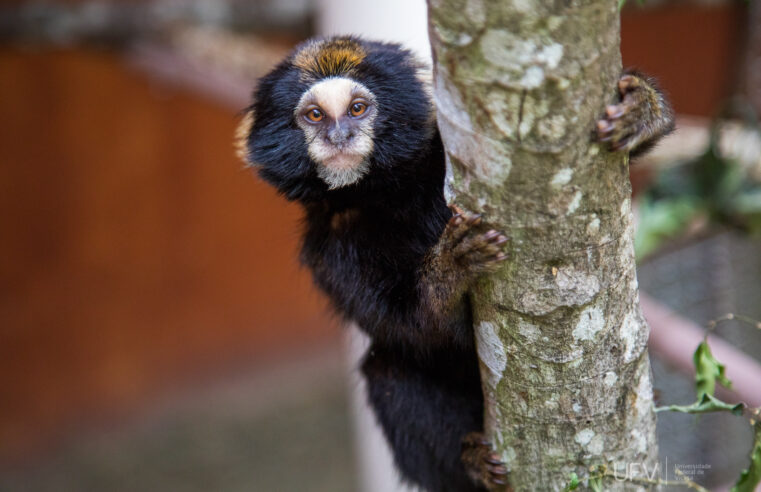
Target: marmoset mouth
{"type": "Point", "coordinates": [343, 160]}
{"type": "Point", "coordinates": [342, 169]}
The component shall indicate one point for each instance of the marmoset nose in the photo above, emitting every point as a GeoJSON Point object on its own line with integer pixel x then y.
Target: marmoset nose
{"type": "Point", "coordinates": [339, 135]}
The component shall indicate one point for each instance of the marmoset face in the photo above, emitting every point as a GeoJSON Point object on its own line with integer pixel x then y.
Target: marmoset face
{"type": "Point", "coordinates": [339, 113]}
{"type": "Point", "coordinates": [336, 115]}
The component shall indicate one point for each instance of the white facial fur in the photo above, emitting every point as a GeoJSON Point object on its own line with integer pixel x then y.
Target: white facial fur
{"type": "Point", "coordinates": [338, 165]}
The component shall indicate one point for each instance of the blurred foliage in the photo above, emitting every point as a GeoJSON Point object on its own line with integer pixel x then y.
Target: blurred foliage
{"type": "Point", "coordinates": [708, 372]}
{"type": "Point", "coordinates": [751, 476]}
{"type": "Point", "coordinates": [711, 190]}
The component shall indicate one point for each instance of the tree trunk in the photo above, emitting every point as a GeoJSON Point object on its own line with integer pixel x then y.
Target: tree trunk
{"type": "Point", "coordinates": [561, 339]}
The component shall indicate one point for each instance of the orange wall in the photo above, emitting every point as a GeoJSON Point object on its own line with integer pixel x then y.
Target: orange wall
{"type": "Point", "coordinates": [693, 50]}
{"type": "Point", "coordinates": [134, 248]}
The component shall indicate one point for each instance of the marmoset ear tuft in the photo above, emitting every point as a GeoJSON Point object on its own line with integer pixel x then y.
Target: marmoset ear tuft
{"type": "Point", "coordinates": [242, 134]}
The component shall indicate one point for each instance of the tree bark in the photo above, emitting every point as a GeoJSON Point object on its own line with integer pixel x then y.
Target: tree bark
{"type": "Point", "coordinates": [561, 339]}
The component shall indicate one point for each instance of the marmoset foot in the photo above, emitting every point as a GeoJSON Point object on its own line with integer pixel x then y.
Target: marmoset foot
{"type": "Point", "coordinates": [482, 464]}
{"type": "Point", "coordinates": [477, 252]}
{"type": "Point", "coordinates": [639, 120]}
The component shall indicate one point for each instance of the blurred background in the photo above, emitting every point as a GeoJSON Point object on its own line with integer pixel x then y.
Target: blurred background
{"type": "Point", "coordinates": [156, 331]}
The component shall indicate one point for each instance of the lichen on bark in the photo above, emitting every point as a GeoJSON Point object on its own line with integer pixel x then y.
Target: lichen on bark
{"type": "Point", "coordinates": [561, 339]}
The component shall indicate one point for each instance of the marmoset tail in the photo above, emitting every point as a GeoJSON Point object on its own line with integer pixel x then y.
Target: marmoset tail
{"type": "Point", "coordinates": [346, 127]}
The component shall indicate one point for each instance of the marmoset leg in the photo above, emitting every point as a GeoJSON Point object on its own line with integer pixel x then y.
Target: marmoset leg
{"type": "Point", "coordinates": [461, 255]}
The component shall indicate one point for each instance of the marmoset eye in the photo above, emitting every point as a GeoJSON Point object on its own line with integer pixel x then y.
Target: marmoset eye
{"type": "Point", "coordinates": [315, 115]}
{"type": "Point", "coordinates": [357, 109]}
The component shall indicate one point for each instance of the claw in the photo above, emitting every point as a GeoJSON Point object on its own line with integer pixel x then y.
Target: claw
{"type": "Point", "coordinates": [491, 459]}
{"type": "Point", "coordinates": [628, 101]}
{"type": "Point", "coordinates": [475, 219]}
{"type": "Point", "coordinates": [626, 83]}
{"type": "Point", "coordinates": [609, 133]}
{"type": "Point", "coordinates": [604, 126]}
{"type": "Point", "coordinates": [621, 144]}
{"type": "Point", "coordinates": [614, 111]}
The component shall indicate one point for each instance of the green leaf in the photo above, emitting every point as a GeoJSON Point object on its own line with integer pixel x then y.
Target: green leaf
{"type": "Point", "coordinates": [595, 484]}
{"type": "Point", "coordinates": [573, 484]}
{"type": "Point", "coordinates": [708, 371]}
{"type": "Point", "coordinates": [707, 403]}
{"type": "Point", "coordinates": [751, 476]}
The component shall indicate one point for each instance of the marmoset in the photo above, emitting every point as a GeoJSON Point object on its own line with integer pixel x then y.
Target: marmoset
{"type": "Point", "coordinates": [347, 128]}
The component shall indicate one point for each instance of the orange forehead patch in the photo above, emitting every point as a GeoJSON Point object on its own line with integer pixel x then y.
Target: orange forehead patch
{"type": "Point", "coordinates": [329, 58]}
